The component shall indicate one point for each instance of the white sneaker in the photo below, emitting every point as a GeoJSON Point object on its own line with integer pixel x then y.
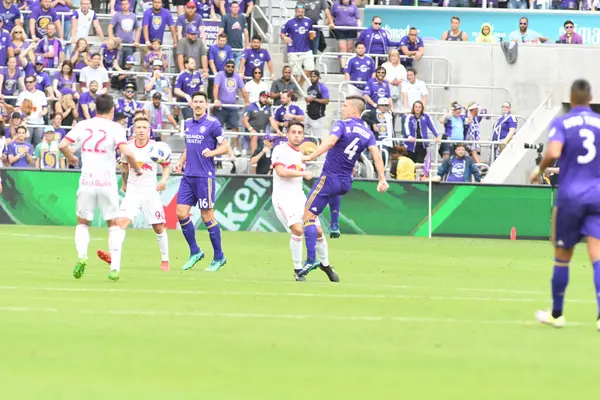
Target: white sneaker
{"type": "Point", "coordinates": [237, 152]}
{"type": "Point", "coordinates": [545, 317]}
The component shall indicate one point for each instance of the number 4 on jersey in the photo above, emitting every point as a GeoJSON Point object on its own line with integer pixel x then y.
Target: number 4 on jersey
{"type": "Point", "coordinates": [351, 149]}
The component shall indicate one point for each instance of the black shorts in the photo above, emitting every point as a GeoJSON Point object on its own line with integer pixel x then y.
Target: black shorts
{"type": "Point", "coordinates": [345, 34]}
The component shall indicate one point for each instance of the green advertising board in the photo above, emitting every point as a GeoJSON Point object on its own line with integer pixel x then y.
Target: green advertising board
{"type": "Point", "coordinates": [244, 203]}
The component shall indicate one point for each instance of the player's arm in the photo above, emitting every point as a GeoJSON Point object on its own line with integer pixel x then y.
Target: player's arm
{"type": "Point", "coordinates": [166, 172]}
{"type": "Point", "coordinates": [181, 162]}
{"type": "Point", "coordinates": [222, 148]}
{"type": "Point", "coordinates": [129, 157]}
{"type": "Point", "coordinates": [65, 147]}
{"type": "Point", "coordinates": [124, 175]}
{"type": "Point", "coordinates": [378, 161]}
{"type": "Point", "coordinates": [324, 147]}
{"type": "Point", "coordinates": [283, 172]}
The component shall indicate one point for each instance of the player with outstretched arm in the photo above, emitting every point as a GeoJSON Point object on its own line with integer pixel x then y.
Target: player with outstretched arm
{"type": "Point", "coordinates": [574, 139]}
{"type": "Point", "coordinates": [142, 192]}
{"type": "Point", "coordinates": [349, 138]}
{"type": "Point", "coordinates": [204, 140]}
{"type": "Point", "coordinates": [289, 198]}
{"type": "Point", "coordinates": [100, 137]}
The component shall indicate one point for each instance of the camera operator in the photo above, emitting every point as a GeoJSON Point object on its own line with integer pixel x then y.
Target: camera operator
{"type": "Point", "coordinates": [550, 176]}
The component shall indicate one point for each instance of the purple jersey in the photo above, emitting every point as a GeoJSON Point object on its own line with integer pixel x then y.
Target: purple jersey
{"type": "Point", "coordinates": [243, 5]}
{"type": "Point", "coordinates": [43, 80]}
{"type": "Point", "coordinates": [203, 8]}
{"type": "Point", "coordinates": [204, 133]}
{"type": "Point", "coordinates": [19, 49]}
{"type": "Point", "coordinates": [360, 69]}
{"type": "Point", "coordinates": [228, 86]}
{"type": "Point", "coordinates": [411, 46]}
{"type": "Point", "coordinates": [156, 23]}
{"type": "Point", "coordinates": [354, 136]}
{"type": "Point", "coordinates": [127, 108]}
{"type": "Point", "coordinates": [220, 55]}
{"type": "Point", "coordinates": [279, 116]}
{"type": "Point", "coordinates": [377, 90]}
{"type": "Point", "coordinates": [5, 43]}
{"type": "Point", "coordinates": [184, 22]}
{"type": "Point", "coordinates": [14, 149]}
{"type": "Point", "coordinates": [297, 29]}
{"type": "Point", "coordinates": [87, 99]}
{"type": "Point", "coordinates": [125, 26]}
{"type": "Point", "coordinates": [64, 84]}
{"type": "Point", "coordinates": [11, 83]}
{"type": "Point", "coordinates": [42, 19]}
{"type": "Point", "coordinates": [108, 56]}
{"type": "Point", "coordinates": [188, 82]}
{"type": "Point", "coordinates": [44, 46]}
{"type": "Point", "coordinates": [10, 15]}
{"type": "Point", "coordinates": [255, 58]}
{"type": "Point", "coordinates": [503, 125]}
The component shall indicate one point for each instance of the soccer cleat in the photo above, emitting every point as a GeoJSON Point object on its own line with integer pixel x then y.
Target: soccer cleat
{"type": "Point", "coordinates": [545, 317]}
{"type": "Point", "coordinates": [79, 269]}
{"type": "Point", "coordinates": [216, 265]}
{"type": "Point", "coordinates": [164, 265]}
{"type": "Point", "coordinates": [299, 278]}
{"type": "Point", "coordinates": [309, 266]}
{"type": "Point", "coordinates": [334, 231]}
{"type": "Point", "coordinates": [331, 274]}
{"type": "Point", "coordinates": [113, 275]}
{"type": "Point", "coordinates": [104, 256]}
{"type": "Point", "coordinates": [194, 258]}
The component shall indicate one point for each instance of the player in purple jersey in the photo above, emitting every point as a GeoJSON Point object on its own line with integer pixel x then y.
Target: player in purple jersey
{"type": "Point", "coordinates": [204, 140]}
{"type": "Point", "coordinates": [349, 138]}
{"type": "Point", "coordinates": [574, 139]}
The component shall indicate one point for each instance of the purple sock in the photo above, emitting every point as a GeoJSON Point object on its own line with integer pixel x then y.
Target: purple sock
{"type": "Point", "coordinates": [214, 232]}
{"type": "Point", "coordinates": [334, 208]}
{"type": "Point", "coordinates": [189, 232]}
{"type": "Point", "coordinates": [560, 280]}
{"type": "Point", "coordinates": [310, 237]}
{"type": "Point", "coordinates": [596, 266]}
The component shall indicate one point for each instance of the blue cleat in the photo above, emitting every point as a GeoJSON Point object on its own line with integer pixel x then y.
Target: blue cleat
{"type": "Point", "coordinates": [193, 260]}
{"type": "Point", "coordinates": [309, 265]}
{"type": "Point", "coordinates": [216, 265]}
{"type": "Point", "coordinates": [334, 231]}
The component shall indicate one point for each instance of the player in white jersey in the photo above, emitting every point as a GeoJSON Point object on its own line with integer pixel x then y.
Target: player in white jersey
{"type": "Point", "coordinates": [142, 192]}
{"type": "Point", "coordinates": [100, 137]}
{"type": "Point", "coordinates": [289, 198]}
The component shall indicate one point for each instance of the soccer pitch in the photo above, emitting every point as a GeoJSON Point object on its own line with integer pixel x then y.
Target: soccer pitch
{"type": "Point", "coordinates": [412, 318]}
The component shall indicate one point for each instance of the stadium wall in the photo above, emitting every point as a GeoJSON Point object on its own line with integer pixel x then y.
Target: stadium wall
{"type": "Point", "coordinates": [243, 203]}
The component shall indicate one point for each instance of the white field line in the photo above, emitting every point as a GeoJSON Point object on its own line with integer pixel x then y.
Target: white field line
{"type": "Point", "coordinates": [286, 294]}
{"type": "Point", "coordinates": [259, 316]}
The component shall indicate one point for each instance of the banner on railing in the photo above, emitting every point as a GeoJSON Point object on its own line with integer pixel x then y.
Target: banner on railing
{"type": "Point", "coordinates": [211, 28]}
{"type": "Point", "coordinates": [244, 204]}
{"type": "Point", "coordinates": [432, 22]}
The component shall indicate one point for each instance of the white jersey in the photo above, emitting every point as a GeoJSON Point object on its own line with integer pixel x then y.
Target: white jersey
{"type": "Point", "coordinates": [84, 22]}
{"type": "Point", "coordinates": [99, 138]}
{"type": "Point", "coordinates": [145, 183]}
{"type": "Point", "coordinates": [290, 158]}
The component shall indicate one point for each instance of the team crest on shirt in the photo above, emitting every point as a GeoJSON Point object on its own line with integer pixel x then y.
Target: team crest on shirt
{"type": "Point", "coordinates": [381, 92]}
{"type": "Point", "coordinates": [222, 55]}
{"type": "Point", "coordinates": [194, 82]}
{"type": "Point", "coordinates": [458, 170]}
{"type": "Point", "coordinates": [362, 68]}
{"type": "Point", "coordinates": [202, 129]}
{"type": "Point", "coordinates": [92, 106]}
{"type": "Point", "coordinates": [21, 149]}
{"type": "Point", "coordinates": [377, 36]}
{"type": "Point", "coordinates": [156, 21]}
{"type": "Point", "coordinates": [302, 30]}
{"type": "Point", "coordinates": [230, 83]}
{"type": "Point", "coordinates": [256, 62]}
{"type": "Point", "coordinates": [43, 21]}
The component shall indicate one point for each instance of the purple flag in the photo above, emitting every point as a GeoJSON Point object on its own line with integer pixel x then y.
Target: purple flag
{"type": "Point", "coordinates": [427, 164]}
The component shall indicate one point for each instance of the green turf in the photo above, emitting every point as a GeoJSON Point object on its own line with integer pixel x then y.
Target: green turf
{"type": "Point", "coordinates": [413, 318]}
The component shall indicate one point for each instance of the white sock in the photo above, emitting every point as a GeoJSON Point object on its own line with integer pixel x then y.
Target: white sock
{"type": "Point", "coordinates": [163, 245]}
{"type": "Point", "coordinates": [296, 248]}
{"type": "Point", "coordinates": [82, 241]}
{"type": "Point", "coordinates": [323, 251]}
{"type": "Point", "coordinates": [116, 236]}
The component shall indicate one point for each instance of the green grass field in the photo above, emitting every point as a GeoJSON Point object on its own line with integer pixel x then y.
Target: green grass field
{"type": "Point", "coordinates": [412, 318]}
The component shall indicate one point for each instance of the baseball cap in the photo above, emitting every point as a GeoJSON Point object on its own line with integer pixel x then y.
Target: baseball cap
{"type": "Point", "coordinates": [16, 115]}
{"type": "Point", "coordinates": [130, 60]}
{"type": "Point", "coordinates": [157, 63]}
{"type": "Point", "coordinates": [473, 106]}
{"type": "Point", "coordinates": [157, 95]}
{"type": "Point", "coordinates": [264, 93]}
{"type": "Point", "coordinates": [130, 86]}
{"type": "Point", "coordinates": [39, 60]}
{"type": "Point", "coordinates": [457, 107]}
{"type": "Point", "coordinates": [383, 101]}
{"type": "Point", "coordinates": [120, 115]}
{"type": "Point", "coordinates": [49, 129]}
{"type": "Point", "coordinates": [192, 29]}
{"type": "Point", "coordinates": [190, 4]}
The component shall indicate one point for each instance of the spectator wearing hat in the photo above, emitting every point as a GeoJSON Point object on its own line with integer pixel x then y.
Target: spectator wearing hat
{"type": "Point", "coordinates": [417, 126]}
{"type": "Point", "coordinates": [20, 151]}
{"type": "Point", "coordinates": [317, 98]}
{"type": "Point", "coordinates": [570, 36]}
{"type": "Point", "coordinates": [124, 25]}
{"type": "Point", "coordinates": [96, 72]}
{"type": "Point", "coordinates": [158, 113]}
{"type": "Point", "coordinates": [157, 82]}
{"type": "Point", "coordinates": [128, 104]}
{"type": "Point", "coordinates": [86, 107]}
{"type": "Point", "coordinates": [227, 85]}
{"type": "Point", "coordinates": [11, 14]}
{"type": "Point", "coordinates": [122, 80]}
{"type": "Point", "coordinates": [47, 155]}
{"type": "Point", "coordinates": [10, 131]}
{"type": "Point", "coordinates": [155, 53]}
{"type": "Point", "coordinates": [34, 104]}
{"type": "Point", "coordinates": [234, 26]}
{"type": "Point", "coordinates": [377, 88]}
{"type": "Point", "coordinates": [42, 79]}
{"type": "Point", "coordinates": [188, 82]}
{"type": "Point", "coordinates": [402, 168]}
{"type": "Point", "coordinates": [6, 49]}
{"type": "Point", "coordinates": [283, 84]}
{"type": "Point", "coordinates": [256, 119]}
{"type": "Point", "coordinates": [458, 168]}
{"type": "Point", "coordinates": [189, 18]}
{"type": "Point", "coordinates": [256, 85]}
{"type": "Point", "coordinates": [255, 57]}
{"type": "Point", "coordinates": [283, 115]}
{"type": "Point", "coordinates": [192, 47]}
{"type": "Point", "coordinates": [380, 119]}
{"type": "Point", "coordinates": [155, 21]}
{"type": "Point", "coordinates": [297, 33]}
{"type": "Point", "coordinates": [411, 46]}
{"type": "Point", "coordinates": [454, 127]}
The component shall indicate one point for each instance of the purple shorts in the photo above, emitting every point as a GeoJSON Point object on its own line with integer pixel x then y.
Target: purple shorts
{"type": "Point", "coordinates": [573, 222]}
{"type": "Point", "coordinates": [325, 188]}
{"type": "Point", "coordinates": [196, 190]}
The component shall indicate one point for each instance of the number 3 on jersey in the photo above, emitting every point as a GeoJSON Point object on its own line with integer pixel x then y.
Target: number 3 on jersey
{"type": "Point", "coordinates": [351, 149]}
{"type": "Point", "coordinates": [93, 141]}
{"type": "Point", "coordinates": [588, 145]}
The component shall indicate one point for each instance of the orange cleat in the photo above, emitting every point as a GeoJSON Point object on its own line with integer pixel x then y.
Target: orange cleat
{"type": "Point", "coordinates": [164, 266]}
{"type": "Point", "coordinates": [104, 256]}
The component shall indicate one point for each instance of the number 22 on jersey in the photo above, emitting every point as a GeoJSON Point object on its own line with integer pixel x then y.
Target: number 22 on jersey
{"type": "Point", "coordinates": [93, 141]}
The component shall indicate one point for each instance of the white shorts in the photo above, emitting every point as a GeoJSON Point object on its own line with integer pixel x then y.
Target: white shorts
{"type": "Point", "coordinates": [290, 211]}
{"type": "Point", "coordinates": [105, 199]}
{"type": "Point", "coordinates": [150, 205]}
{"type": "Point", "coordinates": [297, 60]}
{"type": "Point", "coordinates": [315, 127]}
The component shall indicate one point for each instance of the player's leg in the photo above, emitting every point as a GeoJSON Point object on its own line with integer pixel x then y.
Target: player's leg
{"type": "Point", "coordinates": [186, 199]}
{"type": "Point", "coordinates": [154, 213]}
{"type": "Point", "coordinates": [86, 203]}
{"type": "Point", "coordinates": [323, 253]}
{"type": "Point", "coordinates": [335, 202]}
{"type": "Point", "coordinates": [163, 245]}
{"type": "Point", "coordinates": [123, 223]}
{"type": "Point", "coordinates": [290, 216]}
{"type": "Point", "coordinates": [108, 202]}
{"type": "Point", "coordinates": [206, 202]}
{"type": "Point", "coordinates": [591, 229]}
{"type": "Point", "coordinates": [296, 248]}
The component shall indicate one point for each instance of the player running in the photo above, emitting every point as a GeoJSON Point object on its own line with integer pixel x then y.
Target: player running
{"type": "Point", "coordinates": [349, 138]}
{"type": "Point", "coordinates": [289, 199]}
{"type": "Point", "coordinates": [204, 140]}
{"type": "Point", "coordinates": [574, 139]}
{"type": "Point", "coordinates": [100, 137]}
{"type": "Point", "coordinates": [141, 192]}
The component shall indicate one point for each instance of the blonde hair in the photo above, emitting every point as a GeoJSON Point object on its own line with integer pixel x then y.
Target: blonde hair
{"type": "Point", "coordinates": [393, 52]}
{"type": "Point", "coordinates": [114, 42]}
{"type": "Point", "coordinates": [66, 101]}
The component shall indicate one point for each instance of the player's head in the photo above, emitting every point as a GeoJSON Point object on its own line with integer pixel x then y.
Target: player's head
{"type": "Point", "coordinates": [353, 107]}
{"type": "Point", "coordinates": [295, 134]}
{"type": "Point", "coordinates": [141, 129]}
{"type": "Point", "coordinates": [199, 104]}
{"type": "Point", "coordinates": [105, 106]}
{"type": "Point", "coordinates": [581, 93]}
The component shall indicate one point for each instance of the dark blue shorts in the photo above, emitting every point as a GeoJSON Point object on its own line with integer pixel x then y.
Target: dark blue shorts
{"type": "Point", "coordinates": [196, 190]}
{"type": "Point", "coordinates": [323, 189]}
{"type": "Point", "coordinates": [570, 223]}
{"type": "Point", "coordinates": [228, 117]}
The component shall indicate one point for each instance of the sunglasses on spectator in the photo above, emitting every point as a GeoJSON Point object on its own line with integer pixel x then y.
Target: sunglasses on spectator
{"type": "Point", "coordinates": [376, 23]}
{"type": "Point", "coordinates": [523, 23]}
{"type": "Point", "coordinates": [229, 66]}
{"type": "Point", "coordinates": [569, 27]}
{"type": "Point", "coordinates": [258, 73]}
{"type": "Point", "coordinates": [129, 91]}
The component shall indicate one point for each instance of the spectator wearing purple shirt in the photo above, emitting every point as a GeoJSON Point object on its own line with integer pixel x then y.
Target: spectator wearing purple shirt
{"type": "Point", "coordinates": [19, 44]}
{"type": "Point", "coordinates": [223, 7]}
{"type": "Point", "coordinates": [65, 81]}
{"type": "Point", "coordinates": [50, 48]}
{"type": "Point", "coordinates": [187, 83]}
{"type": "Point", "coordinates": [218, 54]}
{"type": "Point", "coordinates": [287, 112]}
{"type": "Point", "coordinates": [297, 33]}
{"type": "Point", "coordinates": [59, 132]}
{"type": "Point", "coordinates": [65, 13]}
{"type": "Point", "coordinates": [155, 53]}
{"type": "Point", "coordinates": [206, 9]}
{"type": "Point", "coordinates": [11, 14]}
{"type": "Point", "coordinates": [377, 88]}
{"type": "Point", "coordinates": [6, 47]}
{"type": "Point", "coordinates": [411, 46]}
{"type": "Point", "coordinates": [255, 57]}
{"type": "Point", "coordinates": [127, 104]}
{"type": "Point", "coordinates": [313, 11]}
{"type": "Point", "coordinates": [116, 6]}
{"type": "Point", "coordinates": [570, 36]}
{"type": "Point", "coordinates": [43, 81]}
{"type": "Point", "coordinates": [189, 18]}
{"type": "Point", "coordinates": [360, 68]}
{"type": "Point", "coordinates": [110, 53]}
{"type": "Point", "coordinates": [125, 25]}
{"type": "Point", "coordinates": [345, 13]}
{"type": "Point", "coordinates": [155, 21]}
{"type": "Point", "coordinates": [41, 16]}
{"type": "Point", "coordinates": [87, 102]}
{"type": "Point", "coordinates": [227, 84]}
{"type": "Point", "coordinates": [20, 152]}
{"type": "Point", "coordinates": [376, 39]}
